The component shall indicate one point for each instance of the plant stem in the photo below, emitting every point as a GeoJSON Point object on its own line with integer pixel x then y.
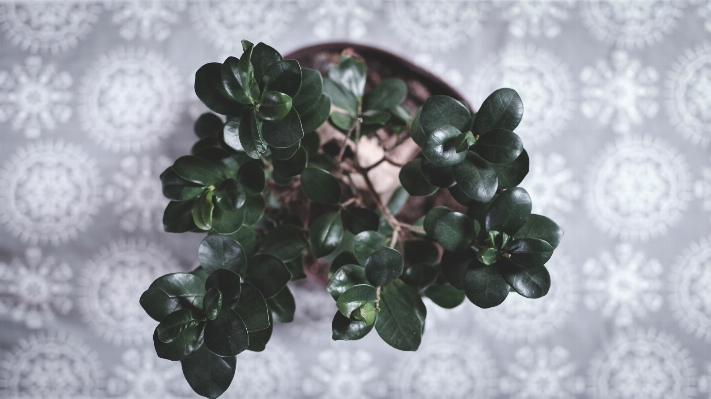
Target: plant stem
{"type": "Point", "coordinates": [377, 299]}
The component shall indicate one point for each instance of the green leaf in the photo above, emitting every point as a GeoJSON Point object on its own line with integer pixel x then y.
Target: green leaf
{"type": "Point", "coordinates": [252, 308]}
{"type": "Point", "coordinates": [365, 313]}
{"type": "Point", "coordinates": [231, 80]}
{"type": "Point", "coordinates": [400, 112]}
{"type": "Point", "coordinates": [485, 286]}
{"type": "Point", "coordinates": [340, 96]}
{"type": "Point", "coordinates": [198, 170]}
{"type": "Point", "coordinates": [397, 200]}
{"type": "Point", "coordinates": [487, 256]}
{"type": "Point", "coordinates": [373, 117]}
{"type": "Point", "coordinates": [350, 73]}
{"type": "Point", "coordinates": [420, 251]}
{"type": "Point", "coordinates": [173, 324]}
{"type": "Point", "coordinates": [365, 243]}
{"type": "Point", "coordinates": [398, 323]}
{"type": "Point", "coordinates": [344, 258]}
{"type": "Point", "coordinates": [208, 374]}
{"type": "Point", "coordinates": [358, 220]}
{"type": "Point", "coordinates": [262, 57]}
{"type": "Point", "coordinates": [464, 141]}
{"type": "Point", "coordinates": [431, 217]}
{"type": "Point", "coordinates": [454, 266]}
{"type": "Point", "coordinates": [229, 195]}
{"type": "Point", "coordinates": [246, 74]}
{"type": "Point", "coordinates": [513, 173]}
{"type": "Point", "coordinates": [282, 306]}
{"type": "Point", "coordinates": [178, 189]}
{"type": "Point", "coordinates": [178, 217]}
{"type": "Point", "coordinates": [251, 177]}
{"type": "Point", "coordinates": [529, 252]}
{"type": "Point", "coordinates": [503, 109]}
{"type": "Point", "coordinates": [419, 276]}
{"type": "Point", "coordinates": [455, 231]}
{"type": "Point", "coordinates": [182, 346]}
{"type": "Point", "coordinates": [510, 211]}
{"type": "Point", "coordinates": [226, 335]}
{"type": "Point", "coordinates": [172, 292]}
{"type": "Point", "coordinates": [229, 284]}
{"type": "Point", "coordinates": [231, 133]}
{"type": "Point", "coordinates": [284, 242]}
{"type": "Point", "coordinates": [543, 228]}
{"type": "Point", "coordinates": [247, 238]}
{"type": "Point", "coordinates": [227, 222]}
{"type": "Point", "coordinates": [212, 303]}
{"type": "Point", "coordinates": [456, 192]}
{"type": "Point", "coordinates": [413, 181]}
{"type": "Point", "coordinates": [202, 211]}
{"type": "Point", "coordinates": [440, 176]}
{"type": "Point", "coordinates": [320, 186]}
{"type": "Point", "coordinates": [387, 94]}
{"type": "Point", "coordinates": [530, 282]}
{"type": "Point", "coordinates": [499, 146]}
{"type": "Point", "coordinates": [310, 90]}
{"type": "Point", "coordinates": [383, 266]}
{"type": "Point", "coordinates": [268, 274]}
{"type": "Point", "coordinates": [211, 91]}
{"type": "Point", "coordinates": [346, 277]}
{"type": "Point", "coordinates": [416, 132]}
{"type": "Point", "coordinates": [220, 252]}
{"type": "Point", "coordinates": [283, 154]}
{"type": "Point", "coordinates": [283, 76]}
{"type": "Point", "coordinates": [445, 295]}
{"type": "Point", "coordinates": [316, 115]}
{"type": "Point", "coordinates": [345, 329]}
{"type": "Point", "coordinates": [291, 167]}
{"type": "Point", "coordinates": [273, 105]}
{"type": "Point", "coordinates": [296, 268]}
{"type": "Point", "coordinates": [247, 135]}
{"type": "Point", "coordinates": [311, 141]}
{"type": "Point", "coordinates": [258, 339]}
{"type": "Point", "coordinates": [253, 209]}
{"type": "Point", "coordinates": [476, 178]}
{"type": "Point", "coordinates": [283, 132]}
{"type": "Point", "coordinates": [325, 234]}
{"type": "Point", "coordinates": [208, 125]}
{"type": "Point", "coordinates": [342, 121]}
{"type": "Point", "coordinates": [441, 146]}
{"type": "Point", "coordinates": [440, 111]}
{"type": "Point", "coordinates": [478, 210]}
{"type": "Point", "coordinates": [354, 297]}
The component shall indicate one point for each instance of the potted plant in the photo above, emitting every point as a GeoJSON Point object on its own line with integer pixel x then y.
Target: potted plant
{"type": "Point", "coordinates": [288, 182]}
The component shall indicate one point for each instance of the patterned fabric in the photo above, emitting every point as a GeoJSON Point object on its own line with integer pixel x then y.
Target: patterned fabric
{"type": "Point", "coordinates": [96, 100]}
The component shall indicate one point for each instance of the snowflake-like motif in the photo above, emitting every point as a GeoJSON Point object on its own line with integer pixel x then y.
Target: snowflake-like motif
{"type": "Point", "coordinates": [36, 289]}
{"type": "Point", "coordinates": [47, 26]}
{"type": "Point", "coordinates": [624, 285]}
{"type": "Point", "coordinates": [51, 365]}
{"type": "Point", "coordinates": [220, 22]}
{"type": "Point", "coordinates": [702, 189]}
{"type": "Point", "coordinates": [638, 188]}
{"type": "Point", "coordinates": [703, 11]}
{"type": "Point", "coordinates": [110, 287]}
{"type": "Point", "coordinates": [144, 375]}
{"type": "Point", "coordinates": [642, 365]}
{"type": "Point", "coordinates": [632, 24]}
{"type": "Point", "coordinates": [271, 374]}
{"type": "Point", "coordinates": [689, 297]}
{"type": "Point", "coordinates": [35, 97]}
{"type": "Point", "coordinates": [312, 320]}
{"type": "Point", "coordinates": [146, 19]}
{"type": "Point", "coordinates": [346, 375]}
{"type": "Point", "coordinates": [130, 100]}
{"type": "Point", "coordinates": [688, 104]}
{"type": "Point", "coordinates": [524, 319]}
{"type": "Point", "coordinates": [136, 193]}
{"type": "Point", "coordinates": [340, 18]}
{"type": "Point", "coordinates": [550, 183]}
{"type": "Point", "coordinates": [534, 17]}
{"type": "Point", "coordinates": [440, 319]}
{"type": "Point", "coordinates": [543, 82]}
{"type": "Point", "coordinates": [705, 382]}
{"type": "Point", "coordinates": [446, 367]}
{"type": "Point", "coordinates": [620, 93]}
{"type": "Point", "coordinates": [49, 191]}
{"type": "Point", "coordinates": [440, 69]}
{"type": "Point", "coordinates": [431, 25]}
{"type": "Point", "coordinates": [540, 373]}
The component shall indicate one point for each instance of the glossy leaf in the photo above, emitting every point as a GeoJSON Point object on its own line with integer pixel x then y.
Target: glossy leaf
{"type": "Point", "coordinates": [292, 166]}
{"type": "Point", "coordinates": [283, 132]}
{"type": "Point", "coordinates": [274, 105]}
{"type": "Point", "coordinates": [398, 323]}
{"type": "Point", "coordinates": [346, 277]}
{"type": "Point", "coordinates": [343, 258]}
{"type": "Point", "coordinates": [172, 292]}
{"type": "Point", "coordinates": [476, 178]}
{"type": "Point", "coordinates": [226, 222]}
{"type": "Point", "coordinates": [487, 256]}
{"type": "Point", "coordinates": [226, 335]}
{"type": "Point", "coordinates": [252, 308]}
{"type": "Point", "coordinates": [503, 109]}
{"type": "Point", "coordinates": [207, 125]}
{"type": "Point", "coordinates": [231, 80]}
{"type": "Point", "coordinates": [253, 209]}
{"type": "Point", "coordinates": [441, 146]}
{"type": "Point", "coordinates": [212, 303]}
{"type": "Point", "coordinates": [316, 115]}
{"type": "Point", "coordinates": [245, 71]}
{"type": "Point", "coordinates": [439, 111]}
{"type": "Point", "coordinates": [365, 313]}
{"type": "Point", "coordinates": [284, 242]}
{"type": "Point", "coordinates": [262, 57]}
{"type": "Point", "coordinates": [431, 217]}
{"type": "Point", "coordinates": [387, 94]}
{"type": "Point", "coordinates": [419, 276]}
{"type": "Point", "coordinates": [208, 374]}
{"type": "Point", "coordinates": [325, 234]}
{"type": "Point", "coordinates": [454, 266]}
{"type": "Point", "coordinates": [230, 196]}
{"type": "Point", "coordinates": [251, 177]}
{"type": "Point", "coordinates": [220, 252]}
{"type": "Point", "coordinates": [178, 189]}
{"type": "Point", "coordinates": [248, 135]}
{"type": "Point", "coordinates": [345, 329]}
{"type": "Point", "coordinates": [416, 132]}
{"type": "Point", "coordinates": [258, 339]}
{"type": "Point", "coordinates": [413, 181]}
{"type": "Point", "coordinates": [455, 231]}
{"type": "Point", "coordinates": [510, 211]}
{"type": "Point", "coordinates": [530, 282]}
{"type": "Point", "coordinates": [282, 154]}
{"type": "Point", "coordinates": [445, 295]}
{"type": "Point", "coordinates": [282, 306]}
{"type": "Point", "coordinates": [198, 170]}
{"type": "Point", "coordinates": [420, 251]}
{"type": "Point", "coordinates": [187, 342]}
{"type": "Point", "coordinates": [358, 220]}
{"type": "Point", "coordinates": [543, 228]}
{"type": "Point", "coordinates": [268, 274]}
{"type": "Point", "coordinates": [440, 176]}
{"type": "Point", "coordinates": [365, 243]}
{"type": "Point", "coordinates": [173, 324]}
{"type": "Point", "coordinates": [229, 284]}
{"type": "Point", "coordinates": [310, 90]}
{"type": "Point", "coordinates": [320, 186]}
{"type": "Point", "coordinates": [211, 91]}
{"type": "Point", "coordinates": [499, 146]}
{"type": "Point", "coordinates": [529, 252]}
{"type": "Point", "coordinates": [383, 266]}
{"type": "Point", "coordinates": [485, 286]}
{"type": "Point", "coordinates": [178, 217]}
{"type": "Point", "coordinates": [373, 117]}
{"type": "Point", "coordinates": [340, 96]}
{"type": "Point", "coordinates": [350, 73]}
{"type": "Point", "coordinates": [283, 76]}
{"type": "Point", "coordinates": [247, 238]}
{"type": "Point", "coordinates": [513, 173]}
{"type": "Point", "coordinates": [202, 211]}
{"type": "Point", "coordinates": [354, 297]}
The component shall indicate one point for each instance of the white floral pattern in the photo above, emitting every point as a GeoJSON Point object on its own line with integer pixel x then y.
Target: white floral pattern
{"type": "Point", "coordinates": [550, 183]}
{"type": "Point", "coordinates": [35, 97]}
{"type": "Point", "coordinates": [314, 312]}
{"type": "Point", "coordinates": [632, 24]}
{"type": "Point", "coordinates": [36, 289]}
{"type": "Point", "coordinates": [51, 365]}
{"type": "Point", "coordinates": [136, 193]}
{"type": "Point", "coordinates": [49, 191]}
{"type": "Point", "coordinates": [543, 82]}
{"type": "Point", "coordinates": [540, 373]}
{"type": "Point", "coordinates": [45, 27]}
{"type": "Point", "coordinates": [689, 298]}
{"type": "Point", "coordinates": [272, 374]}
{"type": "Point", "coordinates": [535, 17]}
{"type": "Point", "coordinates": [345, 375]}
{"type": "Point", "coordinates": [340, 18]}
{"type": "Point", "coordinates": [705, 383]}
{"type": "Point", "coordinates": [702, 188]}
{"type": "Point", "coordinates": [624, 286]}
{"type": "Point", "coordinates": [111, 284]}
{"type": "Point", "coordinates": [638, 188]}
{"type": "Point", "coordinates": [146, 19]}
{"type": "Point", "coordinates": [621, 93]}
{"type": "Point", "coordinates": [143, 375]}
{"type": "Point", "coordinates": [688, 105]}
{"type": "Point", "coordinates": [642, 365]}
{"type": "Point", "coordinates": [450, 76]}
{"type": "Point", "coordinates": [130, 100]}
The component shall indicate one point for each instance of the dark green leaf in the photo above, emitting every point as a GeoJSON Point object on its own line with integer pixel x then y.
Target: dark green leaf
{"type": "Point", "coordinates": [283, 154]}
{"type": "Point", "coordinates": [464, 141]}
{"type": "Point", "coordinates": [342, 121]}
{"type": "Point", "coordinates": [455, 231]}
{"type": "Point", "coordinates": [220, 252]}
{"type": "Point", "coordinates": [340, 96]}
{"type": "Point", "coordinates": [542, 228]}
{"type": "Point", "coordinates": [292, 166]}
{"type": "Point", "coordinates": [226, 335]}
{"type": "Point", "coordinates": [284, 132]}
{"type": "Point", "coordinates": [247, 238]}
{"type": "Point", "coordinates": [416, 132]}
{"type": "Point", "coordinates": [509, 212]}
{"type": "Point", "coordinates": [178, 217]}
{"type": "Point", "coordinates": [432, 215]}
{"type": "Point", "coordinates": [499, 146]}
{"type": "Point", "coordinates": [350, 73]}
{"type": "Point", "coordinates": [414, 181]}
{"type": "Point", "coordinates": [387, 94]}
{"type": "Point", "coordinates": [282, 306]}
{"type": "Point", "coordinates": [320, 186]}
{"type": "Point", "coordinates": [529, 252]}
{"type": "Point", "coordinates": [365, 243]}
{"type": "Point", "coordinates": [310, 90]}
{"type": "Point", "coordinates": [420, 251]}
{"type": "Point", "coordinates": [229, 195]}
{"type": "Point", "coordinates": [325, 234]}
{"type": "Point", "coordinates": [354, 297]}
{"type": "Point", "coordinates": [383, 266]}
{"type": "Point", "coordinates": [246, 74]}
{"type": "Point", "coordinates": [212, 303]}
{"type": "Point", "coordinates": [454, 265]}
{"type": "Point", "coordinates": [419, 276]}
{"type": "Point", "coordinates": [440, 176]}
{"type": "Point", "coordinates": [311, 141]}
{"type": "Point", "coordinates": [211, 91]}
{"type": "Point", "coordinates": [487, 256]}
{"type": "Point", "coordinates": [284, 242]}
{"type": "Point", "coordinates": [268, 274]}
{"type": "Point", "coordinates": [484, 285]}
{"type": "Point", "coordinates": [296, 268]}
{"type": "Point", "coordinates": [358, 220]}
{"type": "Point", "coordinates": [400, 113]}
{"type": "Point", "coordinates": [258, 339]}
{"type": "Point", "coordinates": [251, 177]}
{"type": "Point", "coordinates": [262, 57]}
{"type": "Point", "coordinates": [512, 174]}
{"type": "Point", "coordinates": [252, 308]}
{"type": "Point", "coordinates": [397, 200]}
{"type": "Point", "coordinates": [456, 192]}
{"type": "Point", "coordinates": [377, 118]}
{"type": "Point", "coordinates": [345, 329]}
{"type": "Point", "coordinates": [365, 313]}
{"type": "Point", "coordinates": [182, 346]}
{"type": "Point", "coordinates": [178, 189]}
{"type": "Point", "coordinates": [172, 292]}
{"type": "Point", "coordinates": [198, 170]}
{"type": "Point", "coordinates": [273, 105]}
{"type": "Point", "coordinates": [208, 125]}
{"type": "Point", "coordinates": [247, 134]}
{"type": "Point", "coordinates": [173, 324]}
{"type": "Point", "coordinates": [207, 373]}
{"type": "Point", "coordinates": [503, 109]}
{"type": "Point", "coordinates": [530, 282]}
{"type": "Point", "coordinates": [231, 134]}
{"type": "Point", "coordinates": [229, 284]}
{"type": "Point", "coordinates": [445, 295]}
{"type": "Point", "coordinates": [231, 80]}
{"type": "Point", "coordinates": [398, 323]}
{"type": "Point", "coordinates": [253, 209]}
{"type": "Point", "coordinates": [202, 211]}
{"type": "Point", "coordinates": [440, 111]}
{"type": "Point", "coordinates": [478, 210]}
{"type": "Point", "coordinates": [283, 76]}
{"type": "Point", "coordinates": [476, 178]}
{"type": "Point", "coordinates": [346, 277]}
{"type": "Point", "coordinates": [226, 222]}
{"type": "Point", "coordinates": [316, 115]}
{"type": "Point", "coordinates": [441, 146]}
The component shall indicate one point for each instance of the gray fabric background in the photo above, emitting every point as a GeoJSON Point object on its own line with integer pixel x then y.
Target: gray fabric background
{"type": "Point", "coordinates": [96, 99]}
